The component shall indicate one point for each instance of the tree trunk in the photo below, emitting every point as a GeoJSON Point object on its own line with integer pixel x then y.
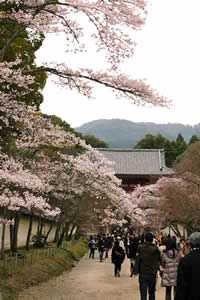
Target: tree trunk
{"type": "Point", "coordinates": [77, 234]}
{"type": "Point", "coordinates": [29, 232]}
{"type": "Point", "coordinates": [11, 236]}
{"type": "Point", "coordinates": [15, 232]}
{"type": "Point", "coordinates": [69, 236]}
{"type": "Point", "coordinates": [190, 229]}
{"type": "Point", "coordinates": [3, 234]}
{"type": "Point", "coordinates": [57, 233]}
{"type": "Point", "coordinates": [175, 229]}
{"type": "Point", "coordinates": [62, 236]}
{"type": "Point", "coordinates": [3, 240]}
{"type": "Point", "coordinates": [41, 225]}
{"type": "Point", "coordinates": [48, 232]}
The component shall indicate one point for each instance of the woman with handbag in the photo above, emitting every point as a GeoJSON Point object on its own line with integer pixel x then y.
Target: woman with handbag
{"type": "Point", "coordinates": [169, 261]}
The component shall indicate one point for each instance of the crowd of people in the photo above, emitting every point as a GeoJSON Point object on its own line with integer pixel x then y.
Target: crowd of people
{"type": "Point", "coordinates": [176, 261]}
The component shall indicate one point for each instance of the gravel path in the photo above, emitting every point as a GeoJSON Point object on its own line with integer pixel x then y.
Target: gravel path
{"type": "Point", "coordinates": [90, 280]}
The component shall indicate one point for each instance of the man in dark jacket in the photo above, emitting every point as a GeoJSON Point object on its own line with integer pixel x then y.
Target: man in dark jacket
{"type": "Point", "coordinates": [188, 275]}
{"type": "Point", "coordinates": [132, 251]}
{"type": "Point", "coordinates": [149, 263]}
{"type": "Point", "coordinates": [117, 258]}
{"type": "Point", "coordinates": [127, 243]}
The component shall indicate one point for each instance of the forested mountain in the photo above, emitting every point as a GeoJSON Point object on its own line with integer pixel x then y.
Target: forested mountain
{"type": "Point", "coordinates": [126, 134]}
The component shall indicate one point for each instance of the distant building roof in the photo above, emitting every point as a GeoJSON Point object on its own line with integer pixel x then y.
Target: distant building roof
{"type": "Point", "coordinates": [137, 161]}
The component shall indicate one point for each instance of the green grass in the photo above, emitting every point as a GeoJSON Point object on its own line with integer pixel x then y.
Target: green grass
{"type": "Point", "coordinates": [15, 279]}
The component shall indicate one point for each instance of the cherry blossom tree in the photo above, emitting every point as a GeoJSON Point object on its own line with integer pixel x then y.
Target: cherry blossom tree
{"type": "Point", "coordinates": [182, 200]}
{"type": "Point", "coordinates": [70, 179]}
{"type": "Point", "coordinates": [21, 191]}
{"type": "Point", "coordinates": [111, 26]}
{"type": "Point", "coordinates": [149, 204]}
{"type": "Point", "coordinates": [21, 188]}
{"type": "Point", "coordinates": [84, 183]}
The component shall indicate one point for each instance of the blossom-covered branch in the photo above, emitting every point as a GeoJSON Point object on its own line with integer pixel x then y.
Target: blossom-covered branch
{"type": "Point", "coordinates": [108, 24]}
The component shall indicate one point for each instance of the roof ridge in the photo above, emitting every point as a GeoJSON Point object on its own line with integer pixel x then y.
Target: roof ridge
{"type": "Point", "coordinates": [129, 150]}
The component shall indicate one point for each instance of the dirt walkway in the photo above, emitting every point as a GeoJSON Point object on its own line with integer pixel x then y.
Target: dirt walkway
{"type": "Point", "coordinates": [90, 280]}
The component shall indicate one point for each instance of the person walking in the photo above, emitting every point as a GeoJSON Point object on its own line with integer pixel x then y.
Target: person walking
{"type": "Point", "coordinates": [169, 261]}
{"type": "Point", "coordinates": [187, 285]}
{"type": "Point", "coordinates": [127, 243]}
{"type": "Point", "coordinates": [101, 248]}
{"type": "Point", "coordinates": [92, 246]}
{"type": "Point", "coordinates": [117, 258]}
{"type": "Point", "coordinates": [149, 263]}
{"type": "Point", "coordinates": [163, 245]}
{"type": "Point", "coordinates": [121, 242]}
{"type": "Point", "coordinates": [132, 250]}
{"type": "Point", "coordinates": [106, 245]}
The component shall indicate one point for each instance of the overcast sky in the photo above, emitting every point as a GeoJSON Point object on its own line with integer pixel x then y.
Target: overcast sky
{"type": "Point", "coordinates": [167, 55]}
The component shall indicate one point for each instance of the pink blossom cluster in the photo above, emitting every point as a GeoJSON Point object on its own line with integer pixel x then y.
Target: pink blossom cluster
{"type": "Point", "coordinates": [146, 202]}
{"type": "Point", "coordinates": [21, 189]}
{"type": "Point", "coordinates": [13, 80]}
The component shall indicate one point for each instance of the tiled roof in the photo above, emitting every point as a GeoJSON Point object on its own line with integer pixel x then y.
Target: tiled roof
{"type": "Point", "coordinates": [137, 161]}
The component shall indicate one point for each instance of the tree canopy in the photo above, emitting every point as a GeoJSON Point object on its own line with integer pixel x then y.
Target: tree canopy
{"type": "Point", "coordinates": [19, 44]}
{"type": "Point", "coordinates": [173, 149]}
{"type": "Point", "coordinates": [95, 142]}
{"type": "Point", "coordinates": [111, 25]}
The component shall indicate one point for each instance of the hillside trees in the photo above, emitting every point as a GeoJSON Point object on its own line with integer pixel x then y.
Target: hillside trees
{"type": "Point", "coordinates": [193, 139]}
{"type": "Point", "coordinates": [170, 152]}
{"type": "Point", "coordinates": [189, 163]}
{"type": "Point", "coordinates": [123, 134]}
{"type": "Point", "coordinates": [151, 142]}
{"type": "Point", "coordinates": [173, 149]}
{"type": "Point", "coordinates": [95, 142]}
{"type": "Point", "coordinates": [181, 145]}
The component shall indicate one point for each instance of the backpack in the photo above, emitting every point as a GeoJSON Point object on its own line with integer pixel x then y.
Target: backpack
{"type": "Point", "coordinates": [90, 244]}
{"type": "Point", "coordinates": [120, 255]}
